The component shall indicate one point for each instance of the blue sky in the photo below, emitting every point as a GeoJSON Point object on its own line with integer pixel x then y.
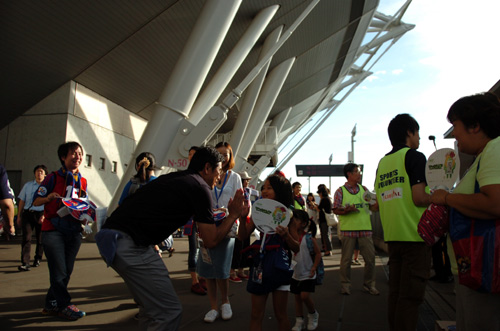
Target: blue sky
{"type": "Point", "coordinates": [453, 51]}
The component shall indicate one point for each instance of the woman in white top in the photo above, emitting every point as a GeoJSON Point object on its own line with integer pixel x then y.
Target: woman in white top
{"type": "Point", "coordinates": [214, 264]}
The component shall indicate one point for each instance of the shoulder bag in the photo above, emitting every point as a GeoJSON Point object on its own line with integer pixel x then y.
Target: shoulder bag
{"type": "Point", "coordinates": [476, 243]}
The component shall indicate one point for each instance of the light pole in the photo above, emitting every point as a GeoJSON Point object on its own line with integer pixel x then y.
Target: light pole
{"type": "Point", "coordinates": [350, 155]}
{"type": "Point", "coordinates": [330, 177]}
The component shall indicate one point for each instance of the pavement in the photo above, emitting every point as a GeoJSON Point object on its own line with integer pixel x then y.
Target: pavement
{"type": "Point", "coordinates": [102, 294]}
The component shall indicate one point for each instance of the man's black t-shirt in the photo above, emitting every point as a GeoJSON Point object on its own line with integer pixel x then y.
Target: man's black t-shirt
{"type": "Point", "coordinates": [414, 163]}
{"type": "Point", "coordinates": [159, 208]}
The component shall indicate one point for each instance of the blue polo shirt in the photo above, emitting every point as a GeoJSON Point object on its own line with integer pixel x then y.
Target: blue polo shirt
{"type": "Point", "coordinates": [27, 194]}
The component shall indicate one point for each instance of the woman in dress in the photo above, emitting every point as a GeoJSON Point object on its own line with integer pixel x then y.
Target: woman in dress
{"type": "Point", "coordinates": [214, 264]}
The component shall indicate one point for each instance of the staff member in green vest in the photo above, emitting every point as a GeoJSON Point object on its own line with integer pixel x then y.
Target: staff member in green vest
{"type": "Point", "coordinates": [298, 200]}
{"type": "Point", "coordinates": [402, 197]}
{"type": "Point", "coordinates": [355, 225]}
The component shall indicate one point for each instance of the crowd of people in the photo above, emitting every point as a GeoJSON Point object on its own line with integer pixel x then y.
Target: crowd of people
{"type": "Point", "coordinates": [214, 204]}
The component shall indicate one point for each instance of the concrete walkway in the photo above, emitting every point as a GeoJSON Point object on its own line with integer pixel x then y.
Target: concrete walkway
{"type": "Point", "coordinates": [101, 293]}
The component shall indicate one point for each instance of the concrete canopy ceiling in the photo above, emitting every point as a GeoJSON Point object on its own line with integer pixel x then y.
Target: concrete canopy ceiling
{"type": "Point", "coordinates": [125, 50]}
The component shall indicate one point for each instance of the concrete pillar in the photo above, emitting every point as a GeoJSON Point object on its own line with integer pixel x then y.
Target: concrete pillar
{"type": "Point", "coordinates": [184, 83]}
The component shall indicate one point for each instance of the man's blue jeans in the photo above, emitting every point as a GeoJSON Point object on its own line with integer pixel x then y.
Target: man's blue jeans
{"type": "Point", "coordinates": [60, 252]}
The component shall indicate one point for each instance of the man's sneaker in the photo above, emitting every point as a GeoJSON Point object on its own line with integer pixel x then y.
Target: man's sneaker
{"type": "Point", "coordinates": [24, 267]}
{"type": "Point", "coordinates": [345, 290]}
{"type": "Point", "coordinates": [71, 313]}
{"type": "Point", "coordinates": [197, 289]}
{"type": "Point", "coordinates": [50, 311]}
{"type": "Point", "coordinates": [372, 290]}
{"type": "Point", "coordinates": [235, 279]}
{"type": "Point", "coordinates": [36, 263]}
{"type": "Point", "coordinates": [312, 320]}
{"type": "Point", "coordinates": [226, 311]}
{"type": "Point", "coordinates": [211, 316]}
{"type": "Point", "coordinates": [299, 324]}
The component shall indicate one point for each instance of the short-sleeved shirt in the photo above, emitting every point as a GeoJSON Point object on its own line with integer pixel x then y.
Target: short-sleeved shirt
{"type": "Point", "coordinates": [231, 183]}
{"type": "Point", "coordinates": [159, 208]}
{"type": "Point", "coordinates": [488, 172]}
{"type": "Point", "coordinates": [337, 202]}
{"type": "Point", "coordinates": [55, 182]}
{"type": "Point", "coordinates": [28, 191]}
{"type": "Point", "coordinates": [414, 164]}
{"type": "Point", "coordinates": [5, 190]}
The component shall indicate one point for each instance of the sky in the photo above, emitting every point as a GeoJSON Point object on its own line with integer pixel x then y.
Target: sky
{"type": "Point", "coordinates": [453, 51]}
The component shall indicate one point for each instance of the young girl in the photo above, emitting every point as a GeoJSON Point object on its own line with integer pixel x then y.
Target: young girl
{"type": "Point", "coordinates": [304, 274]}
{"type": "Point", "coordinates": [312, 209]}
{"type": "Point", "coordinates": [276, 188]}
{"type": "Point", "coordinates": [145, 165]}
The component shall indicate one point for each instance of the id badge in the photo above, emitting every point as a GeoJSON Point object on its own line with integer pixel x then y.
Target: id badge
{"type": "Point", "coordinates": [257, 274]}
{"type": "Point", "coordinates": [205, 256]}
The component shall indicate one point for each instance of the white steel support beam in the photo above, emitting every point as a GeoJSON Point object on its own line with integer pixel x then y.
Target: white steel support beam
{"type": "Point", "coordinates": [268, 95]}
{"type": "Point", "coordinates": [321, 121]}
{"type": "Point", "coordinates": [278, 122]}
{"type": "Point", "coordinates": [252, 93]}
{"type": "Point", "coordinates": [184, 83]}
{"type": "Point", "coordinates": [255, 170]}
{"type": "Point", "coordinates": [394, 28]}
{"type": "Point", "coordinates": [188, 134]}
{"type": "Point", "coordinates": [234, 60]}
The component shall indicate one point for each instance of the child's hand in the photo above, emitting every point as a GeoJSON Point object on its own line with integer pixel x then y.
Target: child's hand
{"type": "Point", "coordinates": [312, 272]}
{"type": "Point", "coordinates": [282, 231]}
{"type": "Point", "coordinates": [246, 209]}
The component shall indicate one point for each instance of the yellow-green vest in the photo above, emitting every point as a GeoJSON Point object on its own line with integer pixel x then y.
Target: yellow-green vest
{"type": "Point", "coordinates": [398, 213]}
{"type": "Point", "coordinates": [355, 221]}
{"type": "Point", "coordinates": [297, 205]}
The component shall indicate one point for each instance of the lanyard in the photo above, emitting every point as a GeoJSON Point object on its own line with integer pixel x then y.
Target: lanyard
{"type": "Point", "coordinates": [217, 197]}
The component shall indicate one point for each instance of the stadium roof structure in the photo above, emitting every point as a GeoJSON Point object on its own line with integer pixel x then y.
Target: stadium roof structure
{"type": "Point", "coordinates": [126, 51]}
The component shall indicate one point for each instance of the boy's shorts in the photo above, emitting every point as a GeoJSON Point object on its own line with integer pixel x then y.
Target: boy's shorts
{"type": "Point", "coordinates": [297, 286]}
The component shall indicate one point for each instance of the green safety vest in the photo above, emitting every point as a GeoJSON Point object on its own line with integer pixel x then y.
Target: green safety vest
{"type": "Point", "coordinates": [355, 221]}
{"type": "Point", "coordinates": [297, 205]}
{"type": "Point", "coordinates": [398, 213]}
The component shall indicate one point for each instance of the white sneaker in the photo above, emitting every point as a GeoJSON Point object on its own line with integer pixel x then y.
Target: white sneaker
{"type": "Point", "coordinates": [372, 290]}
{"type": "Point", "coordinates": [211, 316]}
{"type": "Point", "coordinates": [226, 311]}
{"type": "Point", "coordinates": [346, 290]}
{"type": "Point", "coordinates": [312, 320]}
{"type": "Point", "coordinates": [299, 324]}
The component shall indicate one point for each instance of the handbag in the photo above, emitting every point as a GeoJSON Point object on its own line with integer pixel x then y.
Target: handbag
{"type": "Point", "coordinates": [476, 243]}
{"type": "Point", "coordinates": [433, 224]}
{"type": "Point", "coordinates": [271, 265]}
{"type": "Point", "coordinates": [331, 219]}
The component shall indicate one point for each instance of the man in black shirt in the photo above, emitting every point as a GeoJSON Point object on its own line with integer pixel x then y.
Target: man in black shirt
{"type": "Point", "coordinates": [151, 214]}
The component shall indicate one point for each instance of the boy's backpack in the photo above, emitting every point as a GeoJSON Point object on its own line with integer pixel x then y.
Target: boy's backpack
{"type": "Point", "coordinates": [272, 265]}
{"type": "Point", "coordinates": [320, 271]}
